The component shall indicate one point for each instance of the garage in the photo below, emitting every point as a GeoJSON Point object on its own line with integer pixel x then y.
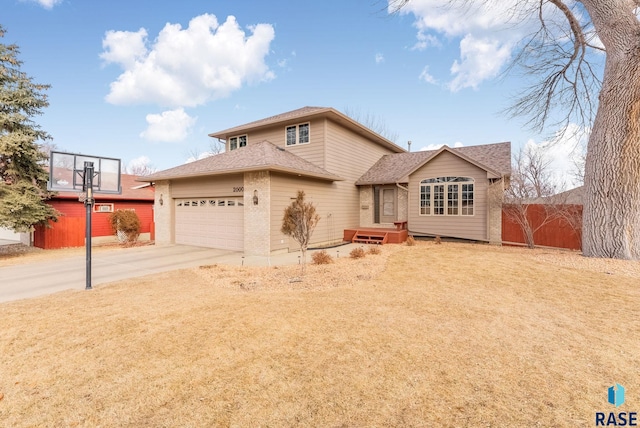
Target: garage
{"type": "Point", "coordinates": [214, 222]}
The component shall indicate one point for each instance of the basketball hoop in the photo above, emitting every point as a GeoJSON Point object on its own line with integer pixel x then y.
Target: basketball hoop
{"type": "Point", "coordinates": [86, 175]}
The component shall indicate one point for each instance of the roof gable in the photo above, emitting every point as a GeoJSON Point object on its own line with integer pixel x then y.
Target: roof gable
{"type": "Point", "coordinates": [254, 157]}
{"type": "Point", "coordinates": [131, 191]}
{"type": "Point", "coordinates": [396, 168]}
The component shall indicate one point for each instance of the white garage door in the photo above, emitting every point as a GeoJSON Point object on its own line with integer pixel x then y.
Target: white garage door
{"type": "Point", "coordinates": [210, 222]}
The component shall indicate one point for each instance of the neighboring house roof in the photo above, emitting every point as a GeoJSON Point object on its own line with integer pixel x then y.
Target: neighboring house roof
{"type": "Point", "coordinates": [307, 113]}
{"type": "Point", "coordinates": [259, 156]}
{"type": "Point", "coordinates": [396, 168]}
{"type": "Point", "coordinates": [573, 196]}
{"type": "Point", "coordinates": [131, 191]}
{"type": "Point", "coordinates": [570, 197]}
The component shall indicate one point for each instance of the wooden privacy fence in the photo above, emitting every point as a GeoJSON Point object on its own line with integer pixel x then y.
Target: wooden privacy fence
{"type": "Point", "coordinates": [559, 232]}
{"type": "Point", "coordinates": [66, 232]}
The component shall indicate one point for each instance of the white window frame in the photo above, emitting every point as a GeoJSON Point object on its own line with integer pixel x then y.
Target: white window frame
{"type": "Point", "coordinates": [447, 196]}
{"type": "Point", "coordinates": [102, 208]}
{"type": "Point", "coordinates": [238, 141]}
{"type": "Point", "coordinates": [298, 136]}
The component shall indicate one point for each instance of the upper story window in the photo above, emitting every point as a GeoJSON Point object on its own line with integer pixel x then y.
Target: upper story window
{"type": "Point", "coordinates": [297, 134]}
{"type": "Point", "coordinates": [239, 141]}
{"type": "Point", "coordinates": [446, 196]}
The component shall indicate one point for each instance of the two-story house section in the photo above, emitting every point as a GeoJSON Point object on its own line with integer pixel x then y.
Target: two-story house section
{"type": "Point", "coordinates": [235, 200]}
{"type": "Point", "coordinates": [356, 178]}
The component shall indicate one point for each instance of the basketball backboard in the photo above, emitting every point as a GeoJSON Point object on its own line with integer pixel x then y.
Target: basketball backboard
{"type": "Point", "coordinates": [66, 173]}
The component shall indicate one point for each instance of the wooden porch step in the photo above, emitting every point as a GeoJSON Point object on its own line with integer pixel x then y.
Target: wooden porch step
{"type": "Point", "coordinates": [369, 237]}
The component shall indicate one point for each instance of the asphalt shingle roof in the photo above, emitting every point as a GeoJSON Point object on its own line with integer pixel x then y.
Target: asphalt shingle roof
{"type": "Point", "coordinates": [131, 191]}
{"type": "Point", "coordinates": [258, 156]}
{"type": "Point", "coordinates": [397, 167]}
{"type": "Point", "coordinates": [308, 113]}
{"type": "Point", "coordinates": [301, 112]}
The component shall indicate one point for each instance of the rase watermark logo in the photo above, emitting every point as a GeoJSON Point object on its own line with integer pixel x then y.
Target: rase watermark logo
{"type": "Point", "coordinates": [615, 396]}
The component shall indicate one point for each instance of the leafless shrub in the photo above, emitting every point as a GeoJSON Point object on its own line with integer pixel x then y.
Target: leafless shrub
{"type": "Point", "coordinates": [321, 258]}
{"type": "Point", "coordinates": [374, 250]}
{"type": "Point", "coordinates": [126, 225]}
{"type": "Point", "coordinates": [357, 253]}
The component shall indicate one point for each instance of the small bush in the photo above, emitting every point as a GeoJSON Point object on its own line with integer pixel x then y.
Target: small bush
{"type": "Point", "coordinates": [357, 253]}
{"type": "Point", "coordinates": [321, 258]}
{"type": "Point", "coordinates": [374, 250]}
{"type": "Point", "coordinates": [125, 223]}
{"type": "Point", "coordinates": [411, 241]}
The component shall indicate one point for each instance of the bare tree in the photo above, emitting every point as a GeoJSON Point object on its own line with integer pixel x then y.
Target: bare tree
{"type": "Point", "coordinates": [140, 166]}
{"type": "Point", "coordinates": [605, 97]}
{"type": "Point", "coordinates": [299, 221]}
{"type": "Point", "coordinates": [195, 154]}
{"type": "Point", "coordinates": [141, 169]}
{"type": "Point", "coordinates": [373, 122]}
{"type": "Point", "coordinates": [531, 185]}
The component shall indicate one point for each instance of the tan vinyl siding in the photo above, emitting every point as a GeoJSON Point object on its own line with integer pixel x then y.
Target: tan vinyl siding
{"type": "Point", "coordinates": [208, 186]}
{"type": "Point", "coordinates": [349, 155]}
{"type": "Point", "coordinates": [467, 227]}
{"type": "Point", "coordinates": [284, 189]}
{"type": "Point", "coordinates": [313, 151]}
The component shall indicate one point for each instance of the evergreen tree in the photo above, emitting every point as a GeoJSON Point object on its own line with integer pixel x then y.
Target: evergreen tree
{"type": "Point", "coordinates": [23, 179]}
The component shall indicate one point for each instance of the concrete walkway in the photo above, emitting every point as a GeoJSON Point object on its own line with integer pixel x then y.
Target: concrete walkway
{"type": "Point", "coordinates": [8, 242]}
{"type": "Point", "coordinates": [46, 277]}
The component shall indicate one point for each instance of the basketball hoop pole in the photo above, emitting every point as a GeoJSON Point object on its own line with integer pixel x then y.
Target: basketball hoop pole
{"type": "Point", "coordinates": [88, 203]}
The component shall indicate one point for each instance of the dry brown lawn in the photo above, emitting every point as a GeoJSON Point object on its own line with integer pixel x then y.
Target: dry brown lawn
{"type": "Point", "coordinates": [432, 335]}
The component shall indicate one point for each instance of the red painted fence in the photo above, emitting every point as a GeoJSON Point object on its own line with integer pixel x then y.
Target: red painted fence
{"type": "Point", "coordinates": [66, 232]}
{"type": "Point", "coordinates": [69, 230]}
{"type": "Point", "coordinates": [559, 232]}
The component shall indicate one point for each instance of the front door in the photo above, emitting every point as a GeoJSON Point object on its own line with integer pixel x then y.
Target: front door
{"type": "Point", "coordinates": [387, 204]}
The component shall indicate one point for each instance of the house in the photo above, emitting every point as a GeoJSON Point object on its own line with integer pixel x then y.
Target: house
{"type": "Point", "coordinates": [356, 179]}
{"type": "Point", "coordinates": [70, 229]}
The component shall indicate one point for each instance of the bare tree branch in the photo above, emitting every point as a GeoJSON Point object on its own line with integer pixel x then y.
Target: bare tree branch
{"type": "Point", "coordinates": [568, 78]}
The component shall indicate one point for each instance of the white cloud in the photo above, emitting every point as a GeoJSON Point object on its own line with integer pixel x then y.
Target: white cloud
{"type": "Point", "coordinates": [425, 41]}
{"type": "Point", "coordinates": [47, 4]}
{"type": "Point", "coordinates": [481, 59]}
{"type": "Point", "coordinates": [202, 155]}
{"type": "Point", "coordinates": [124, 48]}
{"type": "Point", "coordinates": [169, 126]}
{"type": "Point", "coordinates": [487, 33]}
{"type": "Point", "coordinates": [187, 67]}
{"type": "Point", "coordinates": [379, 58]}
{"type": "Point", "coordinates": [427, 77]}
{"type": "Point", "coordinates": [140, 166]}
{"type": "Point", "coordinates": [437, 146]}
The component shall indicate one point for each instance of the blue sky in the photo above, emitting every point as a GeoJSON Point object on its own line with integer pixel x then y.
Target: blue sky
{"type": "Point", "coordinates": [146, 81]}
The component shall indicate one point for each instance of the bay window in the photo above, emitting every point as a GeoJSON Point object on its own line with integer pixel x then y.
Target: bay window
{"type": "Point", "coordinates": [446, 196]}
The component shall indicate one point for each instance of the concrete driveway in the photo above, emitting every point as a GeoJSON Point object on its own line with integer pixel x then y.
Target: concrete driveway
{"type": "Point", "coordinates": [46, 277]}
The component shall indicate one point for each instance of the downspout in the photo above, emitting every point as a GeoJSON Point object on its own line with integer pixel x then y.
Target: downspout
{"type": "Point", "coordinates": [490, 196]}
